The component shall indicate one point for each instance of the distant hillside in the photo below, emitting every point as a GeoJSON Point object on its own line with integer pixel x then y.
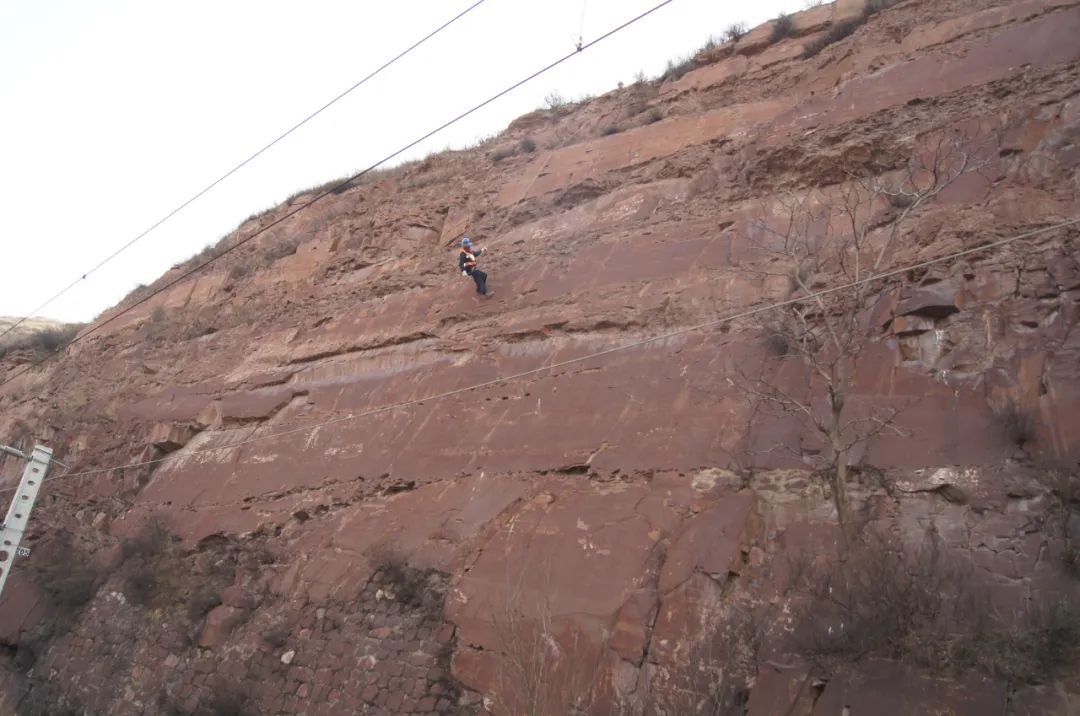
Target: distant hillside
{"type": "Point", "coordinates": [30, 325]}
{"type": "Point", "coordinates": [35, 334]}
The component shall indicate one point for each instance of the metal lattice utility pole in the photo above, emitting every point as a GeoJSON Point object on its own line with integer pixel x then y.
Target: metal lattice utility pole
{"type": "Point", "coordinates": [11, 532]}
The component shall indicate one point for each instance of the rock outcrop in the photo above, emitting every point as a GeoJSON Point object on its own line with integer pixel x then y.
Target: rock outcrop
{"type": "Point", "coordinates": [354, 529]}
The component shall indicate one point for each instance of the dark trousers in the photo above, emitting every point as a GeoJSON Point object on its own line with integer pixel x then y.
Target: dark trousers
{"type": "Point", "coordinates": [481, 281]}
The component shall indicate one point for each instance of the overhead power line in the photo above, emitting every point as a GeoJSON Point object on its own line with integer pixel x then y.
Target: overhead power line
{"type": "Point", "coordinates": [338, 187]}
{"type": "Point", "coordinates": [244, 163]}
{"type": "Point", "coordinates": [748, 313]}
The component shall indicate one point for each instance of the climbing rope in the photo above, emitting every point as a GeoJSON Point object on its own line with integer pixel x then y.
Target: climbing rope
{"type": "Point", "coordinates": [336, 188]}
{"type": "Point", "coordinates": [748, 313]}
{"type": "Point", "coordinates": [581, 26]}
{"type": "Point", "coordinates": [244, 163]}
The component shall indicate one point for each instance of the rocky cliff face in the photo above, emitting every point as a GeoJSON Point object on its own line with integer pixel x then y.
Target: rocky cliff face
{"type": "Point", "coordinates": [648, 531]}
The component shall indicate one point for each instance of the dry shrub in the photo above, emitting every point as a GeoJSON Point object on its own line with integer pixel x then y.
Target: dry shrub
{"type": "Point", "coordinates": [44, 341]}
{"type": "Point", "coordinates": [53, 339]}
{"type": "Point", "coordinates": [900, 199]}
{"type": "Point", "coordinates": [157, 326]}
{"type": "Point", "coordinates": [228, 700]}
{"type": "Point", "coordinates": [1045, 644]}
{"type": "Point", "coordinates": [801, 275]}
{"type": "Point", "coordinates": [409, 585]}
{"type": "Point", "coordinates": [207, 252]}
{"type": "Point", "coordinates": [874, 6]}
{"type": "Point", "coordinates": [202, 601]}
{"type": "Point", "coordinates": [69, 579]}
{"type": "Point", "coordinates": [134, 294]}
{"type": "Point", "coordinates": [676, 69]}
{"type": "Point", "coordinates": [240, 269]}
{"type": "Point", "coordinates": [67, 575]}
{"type": "Point", "coordinates": [543, 666]}
{"type": "Point", "coordinates": [887, 600]}
{"type": "Point", "coordinates": [609, 130]}
{"type": "Point", "coordinates": [204, 255]}
{"type": "Point", "coordinates": [527, 145]}
{"type": "Point", "coordinates": [776, 344]}
{"type": "Point", "coordinates": [554, 101]}
{"type": "Point", "coordinates": [429, 178]}
{"type": "Point", "coordinates": [720, 666]}
{"type": "Point", "coordinates": [276, 637]}
{"type": "Point", "coordinates": [783, 26]}
{"type": "Point", "coordinates": [279, 250]}
{"type": "Point", "coordinates": [140, 584]}
{"type": "Point", "coordinates": [142, 562]}
{"type": "Point", "coordinates": [20, 435]}
{"type": "Point", "coordinates": [836, 32]}
{"type": "Point", "coordinates": [1017, 423]}
{"type": "Point", "coordinates": [334, 186]}
{"type": "Point", "coordinates": [920, 606]}
{"type": "Point", "coordinates": [654, 115]}
{"type": "Point", "coordinates": [734, 32]}
{"type": "Point", "coordinates": [1064, 484]}
{"type": "Point", "coordinates": [149, 542]}
{"type": "Point", "coordinates": [1071, 560]}
{"type": "Point", "coordinates": [155, 571]}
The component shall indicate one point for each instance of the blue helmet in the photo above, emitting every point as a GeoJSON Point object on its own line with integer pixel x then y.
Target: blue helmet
{"type": "Point", "coordinates": [466, 241]}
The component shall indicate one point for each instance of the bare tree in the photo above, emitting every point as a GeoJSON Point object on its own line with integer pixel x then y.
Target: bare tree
{"type": "Point", "coordinates": [542, 671]}
{"type": "Point", "coordinates": [842, 235]}
{"type": "Point", "coordinates": [714, 678]}
{"type": "Point", "coordinates": [1064, 487]}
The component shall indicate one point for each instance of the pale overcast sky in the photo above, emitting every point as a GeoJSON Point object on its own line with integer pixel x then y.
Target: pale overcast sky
{"type": "Point", "coordinates": [116, 111]}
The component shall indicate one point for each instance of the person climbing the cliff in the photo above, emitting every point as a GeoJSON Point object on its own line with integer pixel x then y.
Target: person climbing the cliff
{"type": "Point", "coordinates": [467, 264]}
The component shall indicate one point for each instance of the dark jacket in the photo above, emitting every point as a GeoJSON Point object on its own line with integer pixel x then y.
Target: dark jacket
{"type": "Point", "coordinates": [467, 260]}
